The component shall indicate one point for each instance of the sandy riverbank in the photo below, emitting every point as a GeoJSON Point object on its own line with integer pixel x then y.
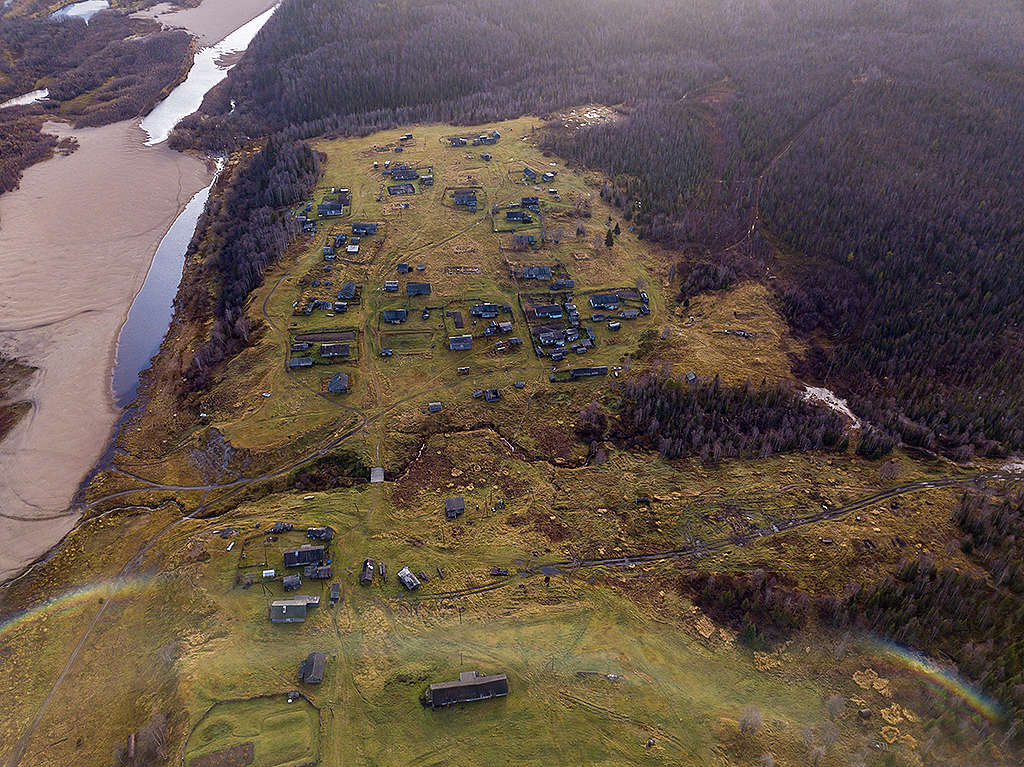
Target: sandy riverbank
{"type": "Point", "coordinates": [76, 241]}
{"type": "Point", "coordinates": [211, 21]}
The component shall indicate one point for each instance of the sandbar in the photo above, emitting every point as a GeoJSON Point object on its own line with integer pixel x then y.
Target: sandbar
{"type": "Point", "coordinates": [76, 241]}
{"type": "Point", "coordinates": [211, 21]}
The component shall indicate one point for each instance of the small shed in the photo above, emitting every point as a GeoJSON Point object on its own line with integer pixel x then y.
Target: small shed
{"type": "Point", "coordinates": [454, 506]}
{"type": "Point", "coordinates": [311, 670]}
{"type": "Point", "coordinates": [434, 407]}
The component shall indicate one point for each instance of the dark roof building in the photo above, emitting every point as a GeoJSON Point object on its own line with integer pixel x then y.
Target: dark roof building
{"type": "Point", "coordinates": [311, 670]}
{"type": "Point", "coordinates": [304, 555]}
{"type": "Point", "coordinates": [397, 190]}
{"type": "Point", "coordinates": [291, 582]}
{"type": "Point", "coordinates": [551, 311]}
{"type": "Point", "coordinates": [460, 343]}
{"type": "Point", "coordinates": [531, 203]}
{"type": "Point", "coordinates": [404, 269]}
{"type": "Point", "coordinates": [536, 272]}
{"type": "Point", "coordinates": [593, 371]}
{"type": "Point", "coordinates": [391, 286]}
{"type": "Point", "coordinates": [334, 350]}
{"type": "Point", "coordinates": [404, 173]}
{"type": "Point", "coordinates": [417, 288]}
{"type": "Point", "coordinates": [604, 301]}
{"type": "Point", "coordinates": [347, 292]}
{"type": "Point", "coordinates": [529, 174]}
{"type": "Point", "coordinates": [562, 285]}
{"type": "Point", "coordinates": [338, 384]}
{"type": "Point", "coordinates": [492, 395]}
{"type": "Point", "coordinates": [453, 507]}
{"type": "Point", "coordinates": [394, 316]}
{"type": "Point", "coordinates": [300, 362]}
{"type": "Point", "coordinates": [466, 198]}
{"type": "Point", "coordinates": [366, 576]}
{"type": "Point", "coordinates": [524, 240]}
{"type": "Point", "coordinates": [317, 572]}
{"type": "Point", "coordinates": [292, 610]}
{"type": "Point", "coordinates": [487, 311]}
{"type": "Point", "coordinates": [280, 527]}
{"type": "Point", "coordinates": [330, 208]}
{"type": "Point", "coordinates": [471, 685]}
{"type": "Point", "coordinates": [518, 215]}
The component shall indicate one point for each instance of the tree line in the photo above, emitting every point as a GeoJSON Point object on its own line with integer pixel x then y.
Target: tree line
{"type": "Point", "coordinates": [712, 421]}
{"type": "Point", "coordinates": [244, 228]}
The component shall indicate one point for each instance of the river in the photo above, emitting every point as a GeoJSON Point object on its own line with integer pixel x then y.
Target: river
{"type": "Point", "coordinates": [153, 308]}
{"type": "Point", "coordinates": [210, 67]}
{"type": "Point", "coordinates": [84, 10]}
{"type": "Point", "coordinates": [87, 297]}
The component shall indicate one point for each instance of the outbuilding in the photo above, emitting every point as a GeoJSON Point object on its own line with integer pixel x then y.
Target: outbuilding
{"type": "Point", "coordinates": [455, 506]}
{"type": "Point", "coordinates": [470, 686]}
{"type": "Point", "coordinates": [311, 670]}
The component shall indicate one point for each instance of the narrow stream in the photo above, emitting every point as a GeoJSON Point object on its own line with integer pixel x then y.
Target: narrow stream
{"type": "Point", "coordinates": [210, 67]}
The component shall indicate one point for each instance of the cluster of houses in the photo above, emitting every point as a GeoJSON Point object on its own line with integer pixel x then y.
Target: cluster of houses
{"type": "Point", "coordinates": [520, 212]}
{"type": "Point", "coordinates": [405, 175]}
{"type": "Point", "coordinates": [531, 176]}
{"type": "Point", "coordinates": [334, 203]}
{"type": "Point", "coordinates": [301, 356]}
{"type": "Point", "coordinates": [315, 565]}
{"type": "Point", "coordinates": [610, 302]}
{"type": "Point", "coordinates": [484, 139]}
{"type": "Point", "coordinates": [465, 198]}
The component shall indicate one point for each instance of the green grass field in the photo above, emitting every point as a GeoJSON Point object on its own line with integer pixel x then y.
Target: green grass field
{"type": "Point", "coordinates": [283, 734]}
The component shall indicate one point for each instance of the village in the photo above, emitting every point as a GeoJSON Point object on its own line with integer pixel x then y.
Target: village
{"type": "Point", "coordinates": [364, 297]}
{"type": "Point", "coordinates": [441, 551]}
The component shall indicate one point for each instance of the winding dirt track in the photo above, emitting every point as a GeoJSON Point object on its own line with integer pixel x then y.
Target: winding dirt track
{"type": "Point", "coordinates": [701, 548]}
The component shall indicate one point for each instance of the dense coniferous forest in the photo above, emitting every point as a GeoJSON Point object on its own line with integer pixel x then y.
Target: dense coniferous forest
{"type": "Point", "coordinates": [242, 231]}
{"type": "Point", "coordinates": [975, 618]}
{"type": "Point", "coordinates": [714, 421]}
{"type": "Point", "coordinates": [874, 143]}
